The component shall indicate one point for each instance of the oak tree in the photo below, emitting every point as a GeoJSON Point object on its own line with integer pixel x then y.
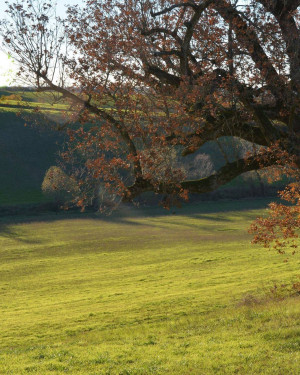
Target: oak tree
{"type": "Point", "coordinates": [150, 78]}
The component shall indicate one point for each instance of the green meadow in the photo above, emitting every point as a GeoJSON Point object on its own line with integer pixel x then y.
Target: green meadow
{"type": "Point", "coordinates": [146, 291]}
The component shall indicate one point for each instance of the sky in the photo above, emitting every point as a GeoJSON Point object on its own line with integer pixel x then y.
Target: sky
{"type": "Point", "coordinates": [7, 66]}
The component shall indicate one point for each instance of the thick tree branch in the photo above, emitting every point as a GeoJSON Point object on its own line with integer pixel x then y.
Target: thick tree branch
{"type": "Point", "coordinates": [282, 11]}
{"type": "Point", "coordinates": [249, 40]}
{"type": "Point", "coordinates": [189, 34]}
{"type": "Point", "coordinates": [280, 7]}
{"type": "Point", "coordinates": [163, 76]}
{"type": "Point", "coordinates": [203, 185]}
{"type": "Point", "coordinates": [224, 175]}
{"type": "Point", "coordinates": [172, 52]}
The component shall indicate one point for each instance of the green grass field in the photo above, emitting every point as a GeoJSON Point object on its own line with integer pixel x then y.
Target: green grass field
{"type": "Point", "coordinates": [146, 292]}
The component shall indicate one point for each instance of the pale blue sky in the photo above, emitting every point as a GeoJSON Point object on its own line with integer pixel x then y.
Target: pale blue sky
{"type": "Point", "coordinates": [7, 67]}
{"type": "Point", "coordinates": [60, 5]}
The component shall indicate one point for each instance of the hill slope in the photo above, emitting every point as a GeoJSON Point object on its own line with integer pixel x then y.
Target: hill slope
{"type": "Point", "coordinates": [27, 152]}
{"type": "Point", "coordinates": [146, 293]}
{"type": "Point", "coordinates": [25, 155]}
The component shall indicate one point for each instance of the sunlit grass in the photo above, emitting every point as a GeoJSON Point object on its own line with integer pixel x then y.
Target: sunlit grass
{"type": "Point", "coordinates": [145, 293]}
{"type": "Point", "coordinates": [20, 110]}
{"type": "Point", "coordinates": [32, 106]}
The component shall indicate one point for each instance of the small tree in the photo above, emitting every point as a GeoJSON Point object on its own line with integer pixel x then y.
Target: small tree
{"type": "Point", "coordinates": [58, 186]}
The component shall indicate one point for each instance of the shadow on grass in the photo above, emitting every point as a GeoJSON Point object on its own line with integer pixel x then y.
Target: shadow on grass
{"type": "Point", "coordinates": [130, 215]}
{"type": "Point", "coordinates": [7, 231]}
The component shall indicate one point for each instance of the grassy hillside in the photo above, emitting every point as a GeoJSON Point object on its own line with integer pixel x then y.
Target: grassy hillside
{"type": "Point", "coordinates": [25, 155]}
{"type": "Point", "coordinates": [145, 292]}
{"type": "Point", "coordinates": [27, 152]}
{"type": "Point", "coordinates": [29, 96]}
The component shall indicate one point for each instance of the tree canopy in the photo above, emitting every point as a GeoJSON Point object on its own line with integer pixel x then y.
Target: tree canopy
{"type": "Point", "coordinates": [151, 78]}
